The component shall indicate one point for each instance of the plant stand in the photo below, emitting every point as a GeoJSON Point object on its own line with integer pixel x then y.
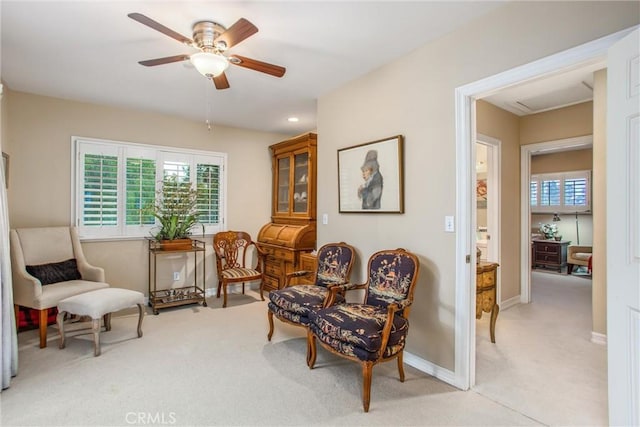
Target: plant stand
{"type": "Point", "coordinates": [173, 297]}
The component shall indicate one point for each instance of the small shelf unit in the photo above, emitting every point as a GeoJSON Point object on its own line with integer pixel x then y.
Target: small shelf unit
{"type": "Point", "coordinates": [173, 297]}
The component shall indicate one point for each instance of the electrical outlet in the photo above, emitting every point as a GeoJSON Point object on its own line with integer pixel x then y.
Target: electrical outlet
{"type": "Point", "coordinates": [176, 275]}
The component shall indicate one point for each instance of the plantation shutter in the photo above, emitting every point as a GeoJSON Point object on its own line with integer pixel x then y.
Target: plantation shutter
{"type": "Point", "coordinates": [209, 186]}
{"type": "Point", "coordinates": [561, 192]}
{"type": "Point", "coordinates": [99, 193]}
{"type": "Point", "coordinates": [576, 191]}
{"type": "Point", "coordinates": [549, 192]}
{"type": "Point", "coordinates": [140, 178]}
{"type": "Point", "coordinates": [115, 183]}
{"type": "Point", "coordinates": [533, 192]}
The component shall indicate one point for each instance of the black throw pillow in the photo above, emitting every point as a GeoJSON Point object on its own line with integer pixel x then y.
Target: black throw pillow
{"type": "Point", "coordinates": [55, 272]}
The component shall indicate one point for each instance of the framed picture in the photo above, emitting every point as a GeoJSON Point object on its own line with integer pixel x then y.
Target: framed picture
{"type": "Point", "coordinates": [5, 168]}
{"type": "Point", "coordinates": [370, 177]}
{"type": "Point", "coordinates": [481, 193]}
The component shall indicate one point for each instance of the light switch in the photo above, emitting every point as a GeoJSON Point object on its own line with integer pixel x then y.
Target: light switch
{"type": "Point", "coordinates": [325, 219]}
{"type": "Point", "coordinates": [449, 224]}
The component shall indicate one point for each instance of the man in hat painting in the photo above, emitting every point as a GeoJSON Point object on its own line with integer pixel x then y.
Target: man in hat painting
{"type": "Point", "coordinates": [370, 191]}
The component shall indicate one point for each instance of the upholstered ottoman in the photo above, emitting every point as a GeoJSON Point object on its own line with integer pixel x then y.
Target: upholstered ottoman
{"type": "Point", "coordinates": [98, 304]}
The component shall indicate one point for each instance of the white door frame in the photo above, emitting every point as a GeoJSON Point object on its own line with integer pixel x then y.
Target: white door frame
{"type": "Point", "coordinates": [494, 174]}
{"type": "Point", "coordinates": [465, 97]}
{"type": "Point", "coordinates": [526, 151]}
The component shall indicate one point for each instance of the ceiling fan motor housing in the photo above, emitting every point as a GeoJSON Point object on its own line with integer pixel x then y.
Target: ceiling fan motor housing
{"type": "Point", "coordinates": [204, 34]}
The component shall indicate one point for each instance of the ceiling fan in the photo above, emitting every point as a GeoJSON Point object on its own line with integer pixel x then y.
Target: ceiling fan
{"type": "Point", "coordinates": [213, 40]}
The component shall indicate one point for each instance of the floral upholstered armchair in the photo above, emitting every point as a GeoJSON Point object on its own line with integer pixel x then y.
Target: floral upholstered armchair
{"type": "Point", "coordinates": [292, 304]}
{"type": "Point", "coordinates": [376, 330]}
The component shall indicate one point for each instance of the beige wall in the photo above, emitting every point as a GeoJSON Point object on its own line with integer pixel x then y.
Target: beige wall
{"type": "Point", "coordinates": [568, 122]}
{"type": "Point", "coordinates": [599, 190]}
{"type": "Point", "coordinates": [39, 131]}
{"type": "Point", "coordinates": [576, 120]}
{"type": "Point", "coordinates": [564, 161]}
{"type": "Point", "coordinates": [414, 96]}
{"type": "Point", "coordinates": [504, 126]}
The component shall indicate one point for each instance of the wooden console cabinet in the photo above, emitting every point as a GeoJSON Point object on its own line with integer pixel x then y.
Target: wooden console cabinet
{"type": "Point", "coordinates": [486, 278]}
{"type": "Point", "coordinates": [292, 230]}
{"type": "Point", "coordinates": [550, 254]}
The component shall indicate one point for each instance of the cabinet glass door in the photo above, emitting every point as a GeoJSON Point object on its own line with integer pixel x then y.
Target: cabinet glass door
{"type": "Point", "coordinates": [283, 184]}
{"type": "Point", "coordinates": [301, 184]}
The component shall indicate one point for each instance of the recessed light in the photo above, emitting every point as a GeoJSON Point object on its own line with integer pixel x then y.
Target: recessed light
{"type": "Point", "coordinates": [293, 119]}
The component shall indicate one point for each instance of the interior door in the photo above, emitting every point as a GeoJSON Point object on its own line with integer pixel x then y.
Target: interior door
{"type": "Point", "coordinates": [623, 230]}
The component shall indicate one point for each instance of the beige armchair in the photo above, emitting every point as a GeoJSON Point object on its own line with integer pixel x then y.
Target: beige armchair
{"type": "Point", "coordinates": [58, 269]}
{"type": "Point", "coordinates": [578, 255]}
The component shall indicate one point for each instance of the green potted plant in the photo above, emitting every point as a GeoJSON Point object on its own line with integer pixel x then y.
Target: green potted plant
{"type": "Point", "coordinates": [175, 207]}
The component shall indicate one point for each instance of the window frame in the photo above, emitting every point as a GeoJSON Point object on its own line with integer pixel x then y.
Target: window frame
{"type": "Point", "coordinates": [125, 150]}
{"type": "Point", "coordinates": [562, 177]}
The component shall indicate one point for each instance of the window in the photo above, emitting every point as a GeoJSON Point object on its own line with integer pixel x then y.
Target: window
{"type": "Point", "coordinates": [115, 181]}
{"type": "Point", "coordinates": [561, 192]}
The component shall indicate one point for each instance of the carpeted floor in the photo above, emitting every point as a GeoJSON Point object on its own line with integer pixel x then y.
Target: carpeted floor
{"type": "Point", "coordinates": [543, 363]}
{"type": "Point", "coordinates": [214, 366]}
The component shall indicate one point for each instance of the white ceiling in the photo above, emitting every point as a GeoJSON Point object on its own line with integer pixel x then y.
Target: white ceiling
{"type": "Point", "coordinates": [548, 93]}
{"type": "Point", "coordinates": [88, 51]}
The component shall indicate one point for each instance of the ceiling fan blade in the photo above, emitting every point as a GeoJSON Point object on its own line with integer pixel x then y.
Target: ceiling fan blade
{"type": "Point", "coordinates": [221, 82]}
{"type": "Point", "coordinates": [239, 31]}
{"type": "Point", "coordinates": [165, 60]}
{"type": "Point", "coordinates": [254, 64]}
{"type": "Point", "coordinates": [145, 20]}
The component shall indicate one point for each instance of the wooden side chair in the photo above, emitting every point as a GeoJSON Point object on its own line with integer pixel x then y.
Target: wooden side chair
{"type": "Point", "coordinates": [376, 330]}
{"type": "Point", "coordinates": [232, 249]}
{"type": "Point", "coordinates": [292, 304]}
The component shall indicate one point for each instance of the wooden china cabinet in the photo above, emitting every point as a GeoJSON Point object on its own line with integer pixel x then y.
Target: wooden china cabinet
{"type": "Point", "coordinates": [292, 230]}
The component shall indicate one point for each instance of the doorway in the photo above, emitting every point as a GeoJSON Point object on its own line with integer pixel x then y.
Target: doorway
{"type": "Point", "coordinates": [526, 152]}
{"type": "Point", "coordinates": [487, 161]}
{"type": "Point", "coordinates": [465, 141]}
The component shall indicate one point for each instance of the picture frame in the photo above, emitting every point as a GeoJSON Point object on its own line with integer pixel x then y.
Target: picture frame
{"type": "Point", "coordinates": [5, 168]}
{"type": "Point", "coordinates": [481, 193]}
{"type": "Point", "coordinates": [371, 177]}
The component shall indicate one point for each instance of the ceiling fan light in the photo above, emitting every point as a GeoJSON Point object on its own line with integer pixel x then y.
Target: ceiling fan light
{"type": "Point", "coordinates": [209, 64]}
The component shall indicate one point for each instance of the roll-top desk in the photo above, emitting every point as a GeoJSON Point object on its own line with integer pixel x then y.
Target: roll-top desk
{"type": "Point", "coordinates": [292, 230]}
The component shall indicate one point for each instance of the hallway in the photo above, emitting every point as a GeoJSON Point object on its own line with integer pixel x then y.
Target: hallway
{"type": "Point", "coordinates": [543, 364]}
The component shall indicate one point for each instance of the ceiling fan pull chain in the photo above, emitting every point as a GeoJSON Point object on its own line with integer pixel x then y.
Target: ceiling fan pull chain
{"type": "Point", "coordinates": [208, 90]}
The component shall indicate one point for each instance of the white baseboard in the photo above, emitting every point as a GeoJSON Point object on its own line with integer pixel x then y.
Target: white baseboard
{"type": "Point", "coordinates": [234, 288]}
{"type": "Point", "coordinates": [598, 338]}
{"type": "Point", "coordinates": [430, 368]}
{"type": "Point", "coordinates": [510, 302]}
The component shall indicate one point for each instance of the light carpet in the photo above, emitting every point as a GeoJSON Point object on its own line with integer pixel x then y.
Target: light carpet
{"type": "Point", "coordinates": [212, 366]}
{"type": "Point", "coordinates": [543, 363]}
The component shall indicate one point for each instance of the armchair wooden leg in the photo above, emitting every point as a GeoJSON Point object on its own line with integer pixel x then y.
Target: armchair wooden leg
{"type": "Point", "coordinates": [43, 327]}
{"type": "Point", "coordinates": [311, 349]}
{"type": "Point", "coordinates": [219, 287]}
{"type": "Point", "coordinates": [60, 322]}
{"type": "Point", "coordinates": [401, 366]}
{"type": "Point", "coordinates": [270, 316]}
{"type": "Point", "coordinates": [107, 322]}
{"type": "Point", "coordinates": [262, 289]}
{"type": "Point", "coordinates": [569, 268]}
{"type": "Point", "coordinates": [242, 288]}
{"type": "Point", "coordinates": [367, 371]}
{"type": "Point", "coordinates": [224, 292]}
